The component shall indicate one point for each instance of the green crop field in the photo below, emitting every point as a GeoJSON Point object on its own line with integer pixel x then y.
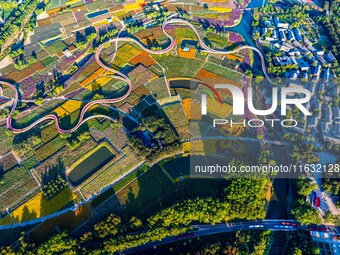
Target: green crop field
{"type": "Point", "coordinates": [216, 39]}
{"type": "Point", "coordinates": [50, 148]}
{"type": "Point", "coordinates": [179, 67]}
{"type": "Point", "coordinates": [225, 72]}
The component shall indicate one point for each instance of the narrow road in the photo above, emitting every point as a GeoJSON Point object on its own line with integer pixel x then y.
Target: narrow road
{"type": "Point", "coordinates": [205, 230]}
{"type": "Point", "coordinates": [236, 138]}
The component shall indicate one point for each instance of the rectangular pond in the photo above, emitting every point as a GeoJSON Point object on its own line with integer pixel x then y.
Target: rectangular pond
{"type": "Point", "coordinates": [91, 164]}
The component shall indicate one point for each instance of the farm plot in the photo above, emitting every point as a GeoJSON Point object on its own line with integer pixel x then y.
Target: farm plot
{"type": "Point", "coordinates": [39, 206]}
{"type": "Point", "coordinates": [50, 148]}
{"type": "Point", "coordinates": [20, 75]}
{"type": "Point", "coordinates": [124, 54]}
{"type": "Point", "coordinates": [179, 67]}
{"type": "Point", "coordinates": [7, 162]}
{"type": "Point", "coordinates": [48, 133]}
{"type": "Point", "coordinates": [176, 115]}
{"type": "Point", "coordinates": [67, 156]}
{"type": "Point", "coordinates": [225, 72]}
{"type": "Point", "coordinates": [17, 183]}
{"type": "Point", "coordinates": [117, 136]}
{"type": "Point", "coordinates": [112, 173]}
{"type": "Point", "coordinates": [56, 48]}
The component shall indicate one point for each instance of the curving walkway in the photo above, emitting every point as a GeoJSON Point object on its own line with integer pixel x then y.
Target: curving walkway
{"type": "Point", "coordinates": [119, 75]}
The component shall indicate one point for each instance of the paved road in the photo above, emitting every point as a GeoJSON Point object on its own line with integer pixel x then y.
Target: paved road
{"type": "Point", "coordinates": [204, 230]}
{"type": "Point", "coordinates": [234, 138]}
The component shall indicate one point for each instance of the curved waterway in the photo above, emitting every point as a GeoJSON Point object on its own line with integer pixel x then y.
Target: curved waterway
{"type": "Point", "coordinates": [244, 28]}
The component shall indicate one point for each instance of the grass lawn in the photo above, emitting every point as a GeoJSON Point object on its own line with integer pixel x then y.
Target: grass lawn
{"type": "Point", "coordinates": [39, 206]}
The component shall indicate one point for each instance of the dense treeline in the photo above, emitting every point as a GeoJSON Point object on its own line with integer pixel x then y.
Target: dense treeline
{"type": "Point", "coordinates": [154, 138]}
{"type": "Point", "coordinates": [303, 210]}
{"type": "Point", "coordinates": [250, 243]}
{"type": "Point", "coordinates": [53, 180]}
{"type": "Point", "coordinates": [14, 22]}
{"type": "Point", "coordinates": [306, 153]}
{"type": "Point", "coordinates": [331, 24]}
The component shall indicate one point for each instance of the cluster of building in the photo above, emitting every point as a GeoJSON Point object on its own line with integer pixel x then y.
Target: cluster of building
{"type": "Point", "coordinates": [307, 67]}
{"type": "Point", "coordinates": [328, 243]}
{"type": "Point", "coordinates": [295, 50]}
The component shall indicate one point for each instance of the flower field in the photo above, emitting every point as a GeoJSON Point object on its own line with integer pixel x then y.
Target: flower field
{"type": "Point", "coordinates": [92, 77]}
{"type": "Point", "coordinates": [211, 78]}
{"type": "Point", "coordinates": [22, 74]}
{"type": "Point", "coordinates": [186, 54]}
{"type": "Point", "coordinates": [124, 54]}
{"type": "Point", "coordinates": [68, 107]}
{"type": "Point", "coordinates": [221, 9]}
{"type": "Point", "coordinates": [131, 7]}
{"type": "Point", "coordinates": [143, 58]}
{"type": "Point", "coordinates": [184, 33]}
{"type": "Point", "coordinates": [225, 72]}
{"type": "Point", "coordinates": [68, 221]}
{"type": "Point", "coordinates": [117, 136]}
{"type": "Point", "coordinates": [39, 206]}
{"type": "Point", "coordinates": [6, 220]}
{"type": "Point", "coordinates": [192, 109]}
{"type": "Point", "coordinates": [176, 114]}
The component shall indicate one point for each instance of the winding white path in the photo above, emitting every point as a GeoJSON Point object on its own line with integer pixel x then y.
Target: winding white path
{"type": "Point", "coordinates": [121, 76]}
